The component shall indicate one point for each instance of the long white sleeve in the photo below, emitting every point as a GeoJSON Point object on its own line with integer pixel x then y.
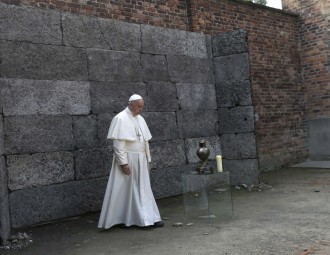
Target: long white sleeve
{"type": "Point", "coordinates": [119, 147]}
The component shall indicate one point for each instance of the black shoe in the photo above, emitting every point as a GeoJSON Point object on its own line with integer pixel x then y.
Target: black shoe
{"type": "Point", "coordinates": [158, 224]}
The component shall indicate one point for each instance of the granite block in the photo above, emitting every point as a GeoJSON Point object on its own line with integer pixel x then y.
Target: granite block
{"type": "Point", "coordinates": [196, 96]}
{"type": "Point", "coordinates": [109, 97]}
{"type": "Point", "coordinates": [229, 43]}
{"type": "Point", "coordinates": [232, 94]}
{"type": "Point", "coordinates": [91, 32]}
{"type": "Point", "coordinates": [236, 120]}
{"type": "Point", "coordinates": [162, 97]}
{"type": "Point", "coordinates": [41, 97]}
{"type": "Point", "coordinates": [114, 66]}
{"type": "Point", "coordinates": [193, 124]}
{"type": "Point", "coordinates": [20, 23]}
{"type": "Point", "coordinates": [239, 146]}
{"type": "Point", "coordinates": [42, 62]}
{"type": "Point", "coordinates": [85, 131]}
{"type": "Point", "coordinates": [232, 67]}
{"type": "Point", "coordinates": [29, 134]}
{"type": "Point", "coordinates": [40, 169]}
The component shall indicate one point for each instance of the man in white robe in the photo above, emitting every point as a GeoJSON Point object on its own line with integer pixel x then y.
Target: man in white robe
{"type": "Point", "coordinates": [128, 198]}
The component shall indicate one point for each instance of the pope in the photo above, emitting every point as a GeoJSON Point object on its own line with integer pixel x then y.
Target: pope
{"type": "Point", "coordinates": [128, 197]}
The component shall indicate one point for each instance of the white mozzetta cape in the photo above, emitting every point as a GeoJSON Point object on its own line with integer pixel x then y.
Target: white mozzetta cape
{"type": "Point", "coordinates": [122, 127]}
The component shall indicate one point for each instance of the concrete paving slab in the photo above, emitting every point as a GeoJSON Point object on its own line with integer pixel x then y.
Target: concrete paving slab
{"type": "Point", "coordinates": [290, 218]}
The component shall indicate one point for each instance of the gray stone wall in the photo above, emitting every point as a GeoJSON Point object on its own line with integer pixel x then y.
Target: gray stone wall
{"type": "Point", "coordinates": [62, 79]}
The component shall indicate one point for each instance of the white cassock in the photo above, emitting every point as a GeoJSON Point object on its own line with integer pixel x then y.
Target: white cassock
{"type": "Point", "coordinates": [128, 198]}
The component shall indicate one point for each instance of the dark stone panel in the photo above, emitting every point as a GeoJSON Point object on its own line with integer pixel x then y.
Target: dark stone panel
{"type": "Point", "coordinates": [20, 23]}
{"type": "Point", "coordinates": [190, 70]}
{"type": "Point", "coordinates": [236, 120]}
{"type": "Point", "coordinates": [85, 131]}
{"type": "Point", "coordinates": [229, 43]}
{"type": "Point", "coordinates": [194, 124]}
{"type": "Point", "coordinates": [196, 96]}
{"type": "Point", "coordinates": [167, 153]}
{"type": "Point", "coordinates": [162, 97]}
{"type": "Point", "coordinates": [91, 32]}
{"type": "Point", "coordinates": [154, 67]}
{"type": "Point", "coordinates": [109, 97]}
{"type": "Point", "coordinates": [162, 125]}
{"type": "Point", "coordinates": [28, 134]}
{"type": "Point", "coordinates": [4, 204]}
{"type": "Point", "coordinates": [232, 94]}
{"type": "Point", "coordinates": [239, 146]}
{"type": "Point", "coordinates": [42, 62]}
{"type": "Point", "coordinates": [114, 66]}
{"type": "Point", "coordinates": [40, 169]}
{"type": "Point", "coordinates": [93, 163]}
{"type": "Point", "coordinates": [32, 97]}
{"type": "Point", "coordinates": [103, 125]}
{"type": "Point", "coordinates": [232, 68]}
{"type": "Point", "coordinates": [56, 202]}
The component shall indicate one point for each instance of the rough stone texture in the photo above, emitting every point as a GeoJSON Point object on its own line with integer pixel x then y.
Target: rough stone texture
{"type": "Point", "coordinates": [40, 169]}
{"type": "Point", "coordinates": [192, 145]}
{"type": "Point", "coordinates": [102, 33]}
{"type": "Point", "coordinates": [196, 96]}
{"type": "Point", "coordinates": [93, 163]}
{"type": "Point", "coordinates": [56, 201]}
{"type": "Point", "coordinates": [157, 40]}
{"type": "Point", "coordinates": [229, 43]}
{"type": "Point", "coordinates": [239, 146]}
{"type": "Point", "coordinates": [162, 96]}
{"type": "Point", "coordinates": [33, 97]}
{"type": "Point", "coordinates": [197, 123]}
{"type": "Point", "coordinates": [4, 204]}
{"type": "Point", "coordinates": [154, 67]}
{"type": "Point", "coordinates": [232, 67]}
{"type": "Point", "coordinates": [2, 147]}
{"type": "Point", "coordinates": [188, 69]}
{"type": "Point", "coordinates": [236, 120]}
{"type": "Point", "coordinates": [196, 45]}
{"type": "Point", "coordinates": [114, 66]}
{"type": "Point", "coordinates": [42, 62]}
{"type": "Point", "coordinates": [24, 134]}
{"type": "Point", "coordinates": [108, 97]}
{"type": "Point", "coordinates": [167, 153]}
{"type": "Point", "coordinates": [208, 39]}
{"type": "Point", "coordinates": [103, 125]}
{"type": "Point", "coordinates": [162, 125]}
{"type": "Point", "coordinates": [167, 182]}
{"type": "Point", "coordinates": [30, 25]}
{"type": "Point", "coordinates": [242, 171]}
{"type": "Point", "coordinates": [85, 131]}
{"type": "Point", "coordinates": [319, 139]}
{"type": "Point", "coordinates": [231, 94]}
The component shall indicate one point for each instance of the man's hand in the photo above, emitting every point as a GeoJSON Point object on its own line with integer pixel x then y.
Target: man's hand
{"type": "Point", "coordinates": [126, 169]}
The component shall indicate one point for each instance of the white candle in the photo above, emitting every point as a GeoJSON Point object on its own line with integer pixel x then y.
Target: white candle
{"type": "Point", "coordinates": [219, 163]}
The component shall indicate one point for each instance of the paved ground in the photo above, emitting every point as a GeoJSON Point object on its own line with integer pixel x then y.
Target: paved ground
{"type": "Point", "coordinates": [291, 218]}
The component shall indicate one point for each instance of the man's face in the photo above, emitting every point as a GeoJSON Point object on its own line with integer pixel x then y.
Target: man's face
{"type": "Point", "coordinates": [136, 106]}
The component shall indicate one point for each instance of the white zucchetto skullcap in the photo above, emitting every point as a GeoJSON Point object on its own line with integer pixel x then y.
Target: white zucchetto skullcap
{"type": "Point", "coordinates": [134, 97]}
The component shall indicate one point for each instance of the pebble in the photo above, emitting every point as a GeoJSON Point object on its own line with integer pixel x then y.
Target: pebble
{"type": "Point", "coordinates": [178, 224]}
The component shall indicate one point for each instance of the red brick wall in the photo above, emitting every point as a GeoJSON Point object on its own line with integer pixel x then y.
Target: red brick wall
{"type": "Point", "coordinates": [275, 74]}
{"type": "Point", "coordinates": [315, 53]}
{"type": "Point", "coordinates": [274, 57]}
